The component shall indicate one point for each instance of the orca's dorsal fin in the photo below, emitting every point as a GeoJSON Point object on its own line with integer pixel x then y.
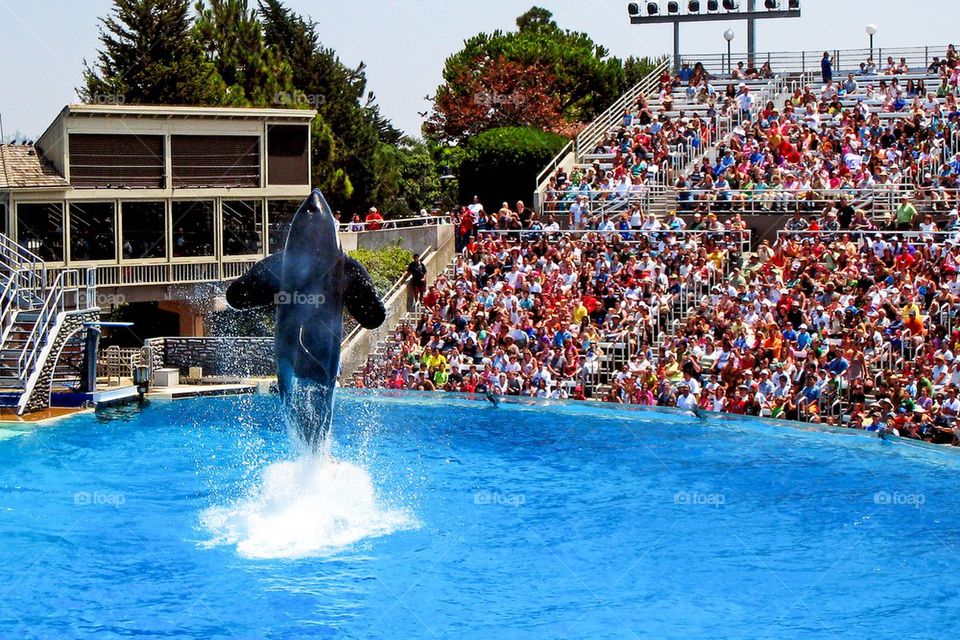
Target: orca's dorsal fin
{"type": "Point", "coordinates": [360, 296]}
{"type": "Point", "coordinates": [259, 286]}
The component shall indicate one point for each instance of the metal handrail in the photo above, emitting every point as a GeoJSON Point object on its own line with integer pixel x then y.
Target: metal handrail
{"type": "Point", "coordinates": [751, 201]}
{"type": "Point", "coordinates": [28, 268]}
{"type": "Point", "coordinates": [53, 305]}
{"type": "Point", "coordinates": [544, 176]}
{"type": "Point", "coordinates": [399, 223]}
{"type": "Point", "coordinates": [595, 130]}
{"type": "Point", "coordinates": [742, 236]}
{"type": "Point", "coordinates": [807, 61]}
{"type": "Point", "coordinates": [861, 235]}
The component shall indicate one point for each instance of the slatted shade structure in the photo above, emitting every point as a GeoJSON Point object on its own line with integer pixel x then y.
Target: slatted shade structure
{"type": "Point", "coordinates": [203, 161]}
{"type": "Point", "coordinates": [107, 160]}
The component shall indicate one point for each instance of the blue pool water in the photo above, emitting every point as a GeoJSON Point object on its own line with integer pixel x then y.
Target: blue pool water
{"type": "Point", "coordinates": [446, 517]}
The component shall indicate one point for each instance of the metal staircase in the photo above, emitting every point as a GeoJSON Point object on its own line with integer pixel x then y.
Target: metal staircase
{"type": "Point", "coordinates": [34, 304]}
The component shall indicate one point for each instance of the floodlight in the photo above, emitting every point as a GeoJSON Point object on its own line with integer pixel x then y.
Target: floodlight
{"type": "Point", "coordinates": [653, 8]}
{"type": "Point", "coordinates": [673, 7]}
{"type": "Point", "coordinates": [731, 5]}
{"type": "Point", "coordinates": [633, 9]}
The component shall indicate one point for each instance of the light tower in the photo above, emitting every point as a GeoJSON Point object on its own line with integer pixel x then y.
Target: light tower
{"type": "Point", "coordinates": [704, 11]}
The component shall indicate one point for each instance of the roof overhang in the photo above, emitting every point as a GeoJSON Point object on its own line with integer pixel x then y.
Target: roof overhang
{"type": "Point", "coordinates": [167, 112]}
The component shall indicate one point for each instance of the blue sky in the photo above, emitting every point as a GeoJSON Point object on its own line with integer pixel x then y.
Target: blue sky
{"type": "Point", "coordinates": [405, 42]}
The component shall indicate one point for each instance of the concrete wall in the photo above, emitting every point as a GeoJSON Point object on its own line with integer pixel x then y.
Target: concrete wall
{"type": "Point", "coordinates": [414, 239]}
{"type": "Point", "coordinates": [218, 356]}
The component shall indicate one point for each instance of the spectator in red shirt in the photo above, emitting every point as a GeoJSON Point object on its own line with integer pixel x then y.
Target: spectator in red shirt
{"type": "Point", "coordinates": [374, 219]}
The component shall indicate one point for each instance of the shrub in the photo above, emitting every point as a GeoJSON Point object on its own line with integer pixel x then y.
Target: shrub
{"type": "Point", "coordinates": [502, 164]}
{"type": "Point", "coordinates": [386, 264]}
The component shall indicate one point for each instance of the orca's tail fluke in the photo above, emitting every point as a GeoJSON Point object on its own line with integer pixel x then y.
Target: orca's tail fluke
{"type": "Point", "coordinates": [492, 399]}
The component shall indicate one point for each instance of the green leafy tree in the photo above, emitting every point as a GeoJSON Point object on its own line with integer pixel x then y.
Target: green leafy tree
{"type": "Point", "coordinates": [352, 160]}
{"type": "Point", "coordinates": [579, 75]}
{"type": "Point", "coordinates": [232, 36]}
{"type": "Point", "coordinates": [406, 178]}
{"type": "Point", "coordinates": [148, 55]}
{"type": "Point", "coordinates": [636, 69]}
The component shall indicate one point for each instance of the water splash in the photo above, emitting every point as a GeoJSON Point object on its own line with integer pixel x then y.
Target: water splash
{"type": "Point", "coordinates": [310, 506]}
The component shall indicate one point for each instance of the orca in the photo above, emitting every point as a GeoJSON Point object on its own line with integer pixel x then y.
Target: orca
{"type": "Point", "coordinates": [310, 283]}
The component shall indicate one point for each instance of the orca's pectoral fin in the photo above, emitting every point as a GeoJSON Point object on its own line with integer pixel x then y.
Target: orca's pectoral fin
{"type": "Point", "coordinates": [259, 286]}
{"type": "Point", "coordinates": [360, 296]}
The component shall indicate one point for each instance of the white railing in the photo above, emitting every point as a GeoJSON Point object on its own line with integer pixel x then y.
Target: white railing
{"type": "Point", "coordinates": [398, 223]}
{"type": "Point", "coordinates": [742, 237]}
{"type": "Point", "coordinates": [877, 202]}
{"type": "Point", "coordinates": [544, 176]}
{"type": "Point", "coordinates": [67, 281]}
{"type": "Point", "coordinates": [649, 86]}
{"type": "Point", "coordinates": [938, 237]}
{"type": "Point", "coordinates": [22, 266]}
{"type": "Point", "coordinates": [844, 60]}
{"type": "Point", "coordinates": [602, 201]}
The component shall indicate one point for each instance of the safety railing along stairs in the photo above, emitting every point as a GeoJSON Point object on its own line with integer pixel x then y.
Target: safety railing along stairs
{"type": "Point", "coordinates": [33, 305]}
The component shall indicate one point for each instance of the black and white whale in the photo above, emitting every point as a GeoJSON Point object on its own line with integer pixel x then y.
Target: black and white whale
{"type": "Point", "coordinates": [310, 282]}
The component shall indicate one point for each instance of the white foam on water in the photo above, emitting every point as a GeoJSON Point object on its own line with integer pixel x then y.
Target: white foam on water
{"type": "Point", "coordinates": [310, 506]}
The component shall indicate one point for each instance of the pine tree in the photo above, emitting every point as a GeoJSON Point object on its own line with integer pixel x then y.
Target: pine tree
{"type": "Point", "coordinates": [232, 36]}
{"type": "Point", "coordinates": [149, 56]}
{"type": "Point", "coordinates": [351, 162]}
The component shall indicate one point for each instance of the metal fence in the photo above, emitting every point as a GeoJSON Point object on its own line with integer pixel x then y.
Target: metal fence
{"type": "Point", "coordinates": [649, 86]}
{"type": "Point", "coordinates": [879, 203]}
{"type": "Point", "coordinates": [398, 223]}
{"type": "Point", "coordinates": [844, 60]}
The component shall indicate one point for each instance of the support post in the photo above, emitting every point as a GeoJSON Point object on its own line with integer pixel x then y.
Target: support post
{"type": "Point", "coordinates": [676, 47]}
{"type": "Point", "coordinates": [751, 36]}
{"type": "Point", "coordinates": [90, 346]}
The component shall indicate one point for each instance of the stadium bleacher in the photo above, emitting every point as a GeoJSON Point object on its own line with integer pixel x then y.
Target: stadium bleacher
{"type": "Point", "coordinates": [646, 277]}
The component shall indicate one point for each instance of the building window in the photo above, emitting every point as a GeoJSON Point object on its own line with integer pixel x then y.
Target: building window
{"type": "Point", "coordinates": [144, 230]}
{"type": "Point", "coordinates": [40, 229]}
{"type": "Point", "coordinates": [193, 229]}
{"type": "Point", "coordinates": [242, 227]}
{"type": "Point", "coordinates": [93, 231]}
{"type": "Point", "coordinates": [288, 154]}
{"type": "Point", "coordinates": [279, 215]}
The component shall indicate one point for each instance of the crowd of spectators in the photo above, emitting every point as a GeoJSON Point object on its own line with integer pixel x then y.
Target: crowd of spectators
{"type": "Point", "coordinates": [534, 315]}
{"type": "Point", "coordinates": [819, 327]}
{"type": "Point", "coordinates": [644, 148]}
{"type": "Point", "coordinates": [862, 138]}
{"type": "Point", "coordinates": [847, 319]}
